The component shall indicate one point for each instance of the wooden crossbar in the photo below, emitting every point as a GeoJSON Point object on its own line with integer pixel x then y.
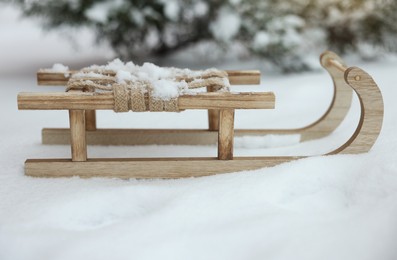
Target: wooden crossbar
{"type": "Point", "coordinates": [236, 77]}
{"type": "Point", "coordinates": [105, 101]}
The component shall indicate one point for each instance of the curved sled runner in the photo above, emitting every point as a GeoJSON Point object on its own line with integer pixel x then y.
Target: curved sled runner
{"type": "Point", "coordinates": [325, 125]}
{"type": "Point", "coordinates": [361, 141]}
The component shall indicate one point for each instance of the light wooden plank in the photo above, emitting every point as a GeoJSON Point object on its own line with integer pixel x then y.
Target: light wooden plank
{"type": "Point", "coordinates": [109, 136]}
{"type": "Point", "coordinates": [77, 135]}
{"type": "Point", "coordinates": [236, 77]}
{"type": "Point", "coordinates": [147, 167]}
{"type": "Point", "coordinates": [226, 134]}
{"type": "Point", "coordinates": [106, 136]}
{"type": "Point", "coordinates": [95, 101]}
{"type": "Point", "coordinates": [244, 77]}
{"type": "Point", "coordinates": [135, 136]}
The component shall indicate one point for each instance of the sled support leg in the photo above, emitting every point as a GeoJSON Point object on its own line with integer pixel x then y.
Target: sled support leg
{"type": "Point", "coordinates": [226, 134]}
{"type": "Point", "coordinates": [213, 115]}
{"type": "Point", "coordinates": [90, 120]}
{"type": "Point", "coordinates": [77, 135]}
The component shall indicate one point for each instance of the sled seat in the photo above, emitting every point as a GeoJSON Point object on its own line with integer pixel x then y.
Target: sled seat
{"type": "Point", "coordinates": [55, 78]}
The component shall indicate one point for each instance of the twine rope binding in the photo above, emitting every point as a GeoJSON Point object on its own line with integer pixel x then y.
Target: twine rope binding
{"type": "Point", "coordinates": [137, 95]}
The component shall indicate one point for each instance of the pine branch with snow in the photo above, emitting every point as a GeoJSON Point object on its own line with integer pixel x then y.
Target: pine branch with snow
{"type": "Point", "coordinates": [283, 32]}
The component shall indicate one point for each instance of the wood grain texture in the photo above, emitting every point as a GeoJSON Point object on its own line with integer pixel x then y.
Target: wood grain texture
{"type": "Point", "coordinates": [77, 135]}
{"type": "Point", "coordinates": [236, 77]}
{"type": "Point", "coordinates": [371, 119]}
{"type": "Point", "coordinates": [340, 103]}
{"type": "Point", "coordinates": [134, 136]}
{"type": "Point", "coordinates": [244, 77]}
{"type": "Point", "coordinates": [226, 134]}
{"type": "Point", "coordinates": [113, 136]}
{"type": "Point", "coordinates": [213, 115]}
{"type": "Point", "coordinates": [90, 120]}
{"type": "Point", "coordinates": [147, 167]}
{"type": "Point", "coordinates": [99, 101]}
{"type": "Point", "coordinates": [213, 119]}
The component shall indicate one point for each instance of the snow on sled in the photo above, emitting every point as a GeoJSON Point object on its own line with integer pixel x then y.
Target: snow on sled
{"type": "Point", "coordinates": [125, 87]}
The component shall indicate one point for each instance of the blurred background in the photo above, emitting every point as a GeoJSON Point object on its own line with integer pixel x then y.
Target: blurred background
{"type": "Point", "coordinates": [283, 35]}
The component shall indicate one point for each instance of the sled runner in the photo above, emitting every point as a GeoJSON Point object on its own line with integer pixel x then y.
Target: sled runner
{"type": "Point", "coordinates": [326, 124]}
{"type": "Point", "coordinates": [81, 104]}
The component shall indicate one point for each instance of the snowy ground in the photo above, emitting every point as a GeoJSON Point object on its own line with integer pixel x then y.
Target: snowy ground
{"type": "Point", "coordinates": [324, 207]}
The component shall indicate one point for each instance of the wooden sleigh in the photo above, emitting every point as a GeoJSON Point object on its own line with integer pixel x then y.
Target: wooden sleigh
{"type": "Point", "coordinates": [326, 124]}
{"type": "Point", "coordinates": [221, 107]}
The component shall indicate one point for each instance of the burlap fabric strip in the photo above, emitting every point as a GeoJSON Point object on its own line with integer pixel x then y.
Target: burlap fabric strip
{"type": "Point", "coordinates": [137, 95]}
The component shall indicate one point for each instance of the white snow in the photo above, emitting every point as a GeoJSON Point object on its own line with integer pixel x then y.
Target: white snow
{"type": "Point", "coordinates": [166, 89]}
{"type": "Point", "coordinates": [155, 72]}
{"type": "Point", "coordinates": [322, 207]}
{"type": "Point", "coordinates": [172, 10]}
{"type": "Point", "coordinates": [90, 74]}
{"type": "Point", "coordinates": [252, 142]}
{"type": "Point", "coordinates": [261, 40]}
{"type": "Point", "coordinates": [226, 25]}
{"type": "Point", "coordinates": [122, 76]}
{"type": "Point", "coordinates": [58, 67]}
{"type": "Point", "coordinates": [294, 21]}
{"type": "Point", "coordinates": [162, 79]}
{"type": "Point", "coordinates": [99, 12]}
{"type": "Point", "coordinates": [114, 65]}
{"type": "Point", "coordinates": [137, 16]}
{"type": "Point", "coordinates": [200, 8]}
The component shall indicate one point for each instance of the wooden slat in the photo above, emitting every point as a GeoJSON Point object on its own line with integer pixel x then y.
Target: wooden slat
{"type": "Point", "coordinates": [236, 77]}
{"type": "Point", "coordinates": [135, 136]}
{"type": "Point", "coordinates": [108, 136]}
{"type": "Point", "coordinates": [94, 101]}
{"type": "Point", "coordinates": [244, 77]}
{"type": "Point", "coordinates": [226, 134]}
{"type": "Point", "coordinates": [147, 167]}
